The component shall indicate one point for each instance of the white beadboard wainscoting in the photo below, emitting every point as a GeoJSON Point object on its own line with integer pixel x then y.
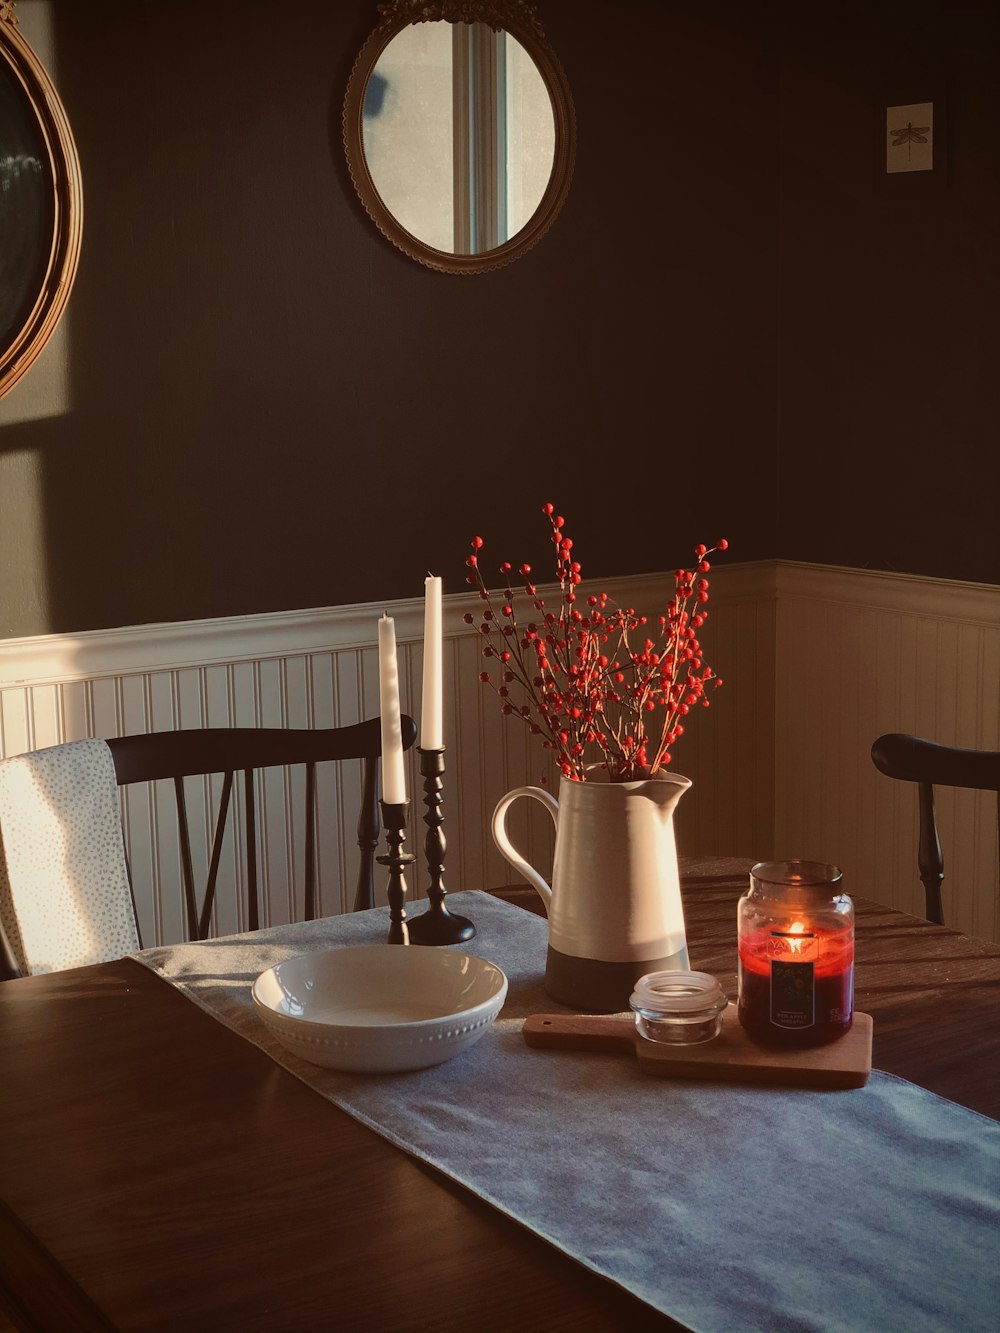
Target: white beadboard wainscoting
{"type": "Point", "coordinates": [816, 662]}
{"type": "Point", "coordinates": [860, 653]}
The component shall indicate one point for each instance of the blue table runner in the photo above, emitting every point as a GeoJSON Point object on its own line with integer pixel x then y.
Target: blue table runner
{"type": "Point", "coordinates": [730, 1208]}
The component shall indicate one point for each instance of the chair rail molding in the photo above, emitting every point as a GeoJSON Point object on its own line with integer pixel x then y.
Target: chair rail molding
{"type": "Point", "coordinates": [773, 773]}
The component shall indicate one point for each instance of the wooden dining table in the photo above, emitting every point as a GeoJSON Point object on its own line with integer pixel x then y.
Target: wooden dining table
{"type": "Point", "coordinates": [160, 1172]}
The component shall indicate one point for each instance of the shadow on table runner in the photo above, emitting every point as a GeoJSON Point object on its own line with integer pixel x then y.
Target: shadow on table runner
{"type": "Point", "coordinates": [731, 1209]}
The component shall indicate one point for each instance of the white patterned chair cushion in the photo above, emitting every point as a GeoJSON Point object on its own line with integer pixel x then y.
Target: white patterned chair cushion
{"type": "Point", "coordinates": [64, 891]}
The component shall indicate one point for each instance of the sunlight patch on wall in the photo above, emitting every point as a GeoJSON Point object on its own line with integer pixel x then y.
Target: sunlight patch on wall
{"type": "Point", "coordinates": [23, 586]}
{"type": "Point", "coordinates": [44, 391]}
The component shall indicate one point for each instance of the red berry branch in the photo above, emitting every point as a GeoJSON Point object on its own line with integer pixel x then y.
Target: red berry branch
{"type": "Point", "coordinates": [599, 684]}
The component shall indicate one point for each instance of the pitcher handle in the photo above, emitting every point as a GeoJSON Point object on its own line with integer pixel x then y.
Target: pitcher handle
{"type": "Point", "coordinates": [507, 848]}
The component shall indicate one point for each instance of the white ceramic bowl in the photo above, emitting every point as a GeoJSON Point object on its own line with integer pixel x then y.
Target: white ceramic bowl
{"type": "Point", "coordinates": [380, 1007]}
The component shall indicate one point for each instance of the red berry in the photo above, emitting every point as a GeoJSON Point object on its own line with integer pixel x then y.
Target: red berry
{"type": "Point", "coordinates": [548, 509]}
{"type": "Point", "coordinates": [722, 544]}
{"type": "Point", "coordinates": [477, 542]}
{"type": "Point", "coordinates": [484, 676]}
{"type": "Point", "coordinates": [472, 562]}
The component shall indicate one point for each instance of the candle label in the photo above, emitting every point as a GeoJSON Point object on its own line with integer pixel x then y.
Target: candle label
{"type": "Point", "coordinates": [793, 995]}
{"type": "Point", "coordinates": [793, 981]}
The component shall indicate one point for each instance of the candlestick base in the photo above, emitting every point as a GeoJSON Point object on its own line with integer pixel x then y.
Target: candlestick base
{"type": "Point", "coordinates": [394, 822]}
{"type": "Point", "coordinates": [437, 925]}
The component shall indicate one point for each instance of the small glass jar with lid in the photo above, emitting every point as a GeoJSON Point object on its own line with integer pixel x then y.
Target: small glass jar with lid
{"type": "Point", "coordinates": [679, 1008]}
{"type": "Point", "coordinates": [796, 954]}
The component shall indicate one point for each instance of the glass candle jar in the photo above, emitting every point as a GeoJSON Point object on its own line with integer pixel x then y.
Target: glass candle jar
{"type": "Point", "coordinates": [681, 1008]}
{"type": "Point", "coordinates": [796, 954]}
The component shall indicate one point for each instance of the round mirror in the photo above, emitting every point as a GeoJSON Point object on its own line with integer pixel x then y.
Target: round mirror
{"type": "Point", "coordinates": [459, 134]}
{"type": "Point", "coordinates": [41, 205]}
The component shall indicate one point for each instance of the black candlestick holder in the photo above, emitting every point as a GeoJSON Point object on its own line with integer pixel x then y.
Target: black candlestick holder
{"type": "Point", "coordinates": [437, 925]}
{"type": "Point", "coordinates": [394, 820]}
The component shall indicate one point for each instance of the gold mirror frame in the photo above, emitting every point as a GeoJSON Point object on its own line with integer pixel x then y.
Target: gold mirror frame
{"type": "Point", "coordinates": [519, 19]}
{"type": "Point", "coordinates": [19, 62]}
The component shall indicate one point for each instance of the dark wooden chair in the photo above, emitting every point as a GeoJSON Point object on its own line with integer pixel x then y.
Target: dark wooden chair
{"type": "Point", "coordinates": [232, 750]}
{"type": "Point", "coordinates": [912, 759]}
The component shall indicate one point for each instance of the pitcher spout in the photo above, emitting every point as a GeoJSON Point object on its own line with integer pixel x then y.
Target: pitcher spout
{"type": "Point", "coordinates": [664, 790]}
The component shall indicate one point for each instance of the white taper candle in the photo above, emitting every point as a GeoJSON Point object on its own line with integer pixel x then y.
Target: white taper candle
{"type": "Point", "coordinates": [432, 707]}
{"type": "Point", "coordinates": [393, 780]}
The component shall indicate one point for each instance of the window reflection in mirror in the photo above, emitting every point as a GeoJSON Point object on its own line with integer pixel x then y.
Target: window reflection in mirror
{"type": "Point", "coordinates": [459, 135]}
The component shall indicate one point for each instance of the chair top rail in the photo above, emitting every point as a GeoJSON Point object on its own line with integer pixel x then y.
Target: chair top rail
{"type": "Point", "coordinates": [175, 754]}
{"type": "Point", "coordinates": [913, 759]}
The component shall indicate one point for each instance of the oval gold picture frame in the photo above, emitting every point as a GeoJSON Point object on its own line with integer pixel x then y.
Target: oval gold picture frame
{"type": "Point", "coordinates": [58, 252]}
{"type": "Point", "coordinates": [516, 17]}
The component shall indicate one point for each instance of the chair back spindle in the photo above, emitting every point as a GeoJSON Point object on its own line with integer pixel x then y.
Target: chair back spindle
{"type": "Point", "coordinates": [213, 865]}
{"type": "Point", "coordinates": [369, 828]}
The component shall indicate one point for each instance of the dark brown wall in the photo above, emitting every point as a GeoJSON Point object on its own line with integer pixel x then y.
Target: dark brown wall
{"type": "Point", "coordinates": [890, 297]}
{"type": "Point", "coordinates": [271, 408]}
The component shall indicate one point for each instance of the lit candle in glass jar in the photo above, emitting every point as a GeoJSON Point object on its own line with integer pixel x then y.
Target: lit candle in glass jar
{"type": "Point", "coordinates": [796, 954]}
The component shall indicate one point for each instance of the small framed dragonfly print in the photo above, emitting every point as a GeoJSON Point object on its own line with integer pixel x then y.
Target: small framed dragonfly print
{"type": "Point", "coordinates": [913, 142]}
{"type": "Point", "coordinates": [909, 137]}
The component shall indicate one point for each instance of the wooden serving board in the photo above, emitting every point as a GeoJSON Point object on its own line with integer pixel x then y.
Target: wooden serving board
{"type": "Point", "coordinates": [730, 1057]}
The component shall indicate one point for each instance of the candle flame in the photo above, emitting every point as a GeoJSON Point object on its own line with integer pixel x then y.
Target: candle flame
{"type": "Point", "coordinates": [797, 928]}
{"type": "Point", "coordinates": [796, 939]}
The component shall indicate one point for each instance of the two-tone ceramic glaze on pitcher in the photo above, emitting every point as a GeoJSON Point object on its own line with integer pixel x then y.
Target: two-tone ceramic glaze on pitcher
{"type": "Point", "coordinates": [614, 907]}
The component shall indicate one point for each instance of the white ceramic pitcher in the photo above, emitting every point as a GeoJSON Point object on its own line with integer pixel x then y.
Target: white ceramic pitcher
{"type": "Point", "coordinates": [614, 908]}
